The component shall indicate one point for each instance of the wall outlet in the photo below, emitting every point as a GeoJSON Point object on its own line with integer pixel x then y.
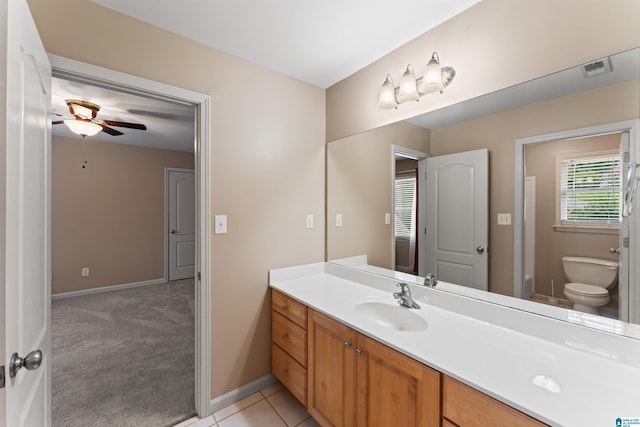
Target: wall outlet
{"type": "Point", "coordinates": [85, 271]}
{"type": "Point", "coordinates": [309, 223]}
{"type": "Point", "coordinates": [504, 219]}
{"type": "Point", "coordinates": [338, 220]}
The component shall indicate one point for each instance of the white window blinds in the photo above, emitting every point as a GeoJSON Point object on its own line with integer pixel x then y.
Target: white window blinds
{"type": "Point", "coordinates": [590, 190]}
{"type": "Point", "coordinates": [404, 203]}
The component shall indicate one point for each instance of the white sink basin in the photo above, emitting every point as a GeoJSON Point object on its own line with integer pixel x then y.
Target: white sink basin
{"type": "Point", "coordinates": [392, 316]}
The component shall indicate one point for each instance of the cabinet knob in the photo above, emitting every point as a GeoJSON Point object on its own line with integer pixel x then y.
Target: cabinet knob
{"type": "Point", "coordinates": [285, 306]}
{"type": "Point", "coordinates": [284, 371]}
{"type": "Point", "coordinates": [359, 352]}
{"type": "Point", "coordinates": [285, 335]}
{"type": "Point", "coordinates": [347, 345]}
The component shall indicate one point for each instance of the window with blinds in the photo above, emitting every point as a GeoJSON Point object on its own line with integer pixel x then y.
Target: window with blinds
{"type": "Point", "coordinates": [404, 205]}
{"type": "Point", "coordinates": [590, 190]}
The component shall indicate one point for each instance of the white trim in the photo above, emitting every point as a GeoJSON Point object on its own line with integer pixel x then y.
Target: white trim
{"type": "Point", "coordinates": [420, 157]}
{"type": "Point", "coordinates": [241, 392]}
{"type": "Point", "coordinates": [91, 74]}
{"type": "Point", "coordinates": [107, 289]}
{"type": "Point", "coordinates": [628, 312]}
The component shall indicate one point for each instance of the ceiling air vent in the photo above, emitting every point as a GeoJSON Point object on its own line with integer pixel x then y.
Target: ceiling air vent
{"type": "Point", "coordinates": [596, 68]}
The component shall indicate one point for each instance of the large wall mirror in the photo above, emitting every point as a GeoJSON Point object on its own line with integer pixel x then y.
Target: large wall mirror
{"type": "Point", "coordinates": [537, 134]}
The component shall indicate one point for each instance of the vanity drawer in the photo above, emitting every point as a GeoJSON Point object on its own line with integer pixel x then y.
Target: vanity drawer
{"type": "Point", "coordinates": [467, 407]}
{"type": "Point", "coordinates": [290, 337]}
{"type": "Point", "coordinates": [289, 308]}
{"type": "Point", "coordinates": [290, 373]}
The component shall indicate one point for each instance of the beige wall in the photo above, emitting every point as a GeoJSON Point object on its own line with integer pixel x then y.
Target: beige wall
{"type": "Point", "coordinates": [108, 216]}
{"type": "Point", "coordinates": [492, 45]}
{"type": "Point", "coordinates": [359, 187]}
{"type": "Point", "coordinates": [499, 132]}
{"type": "Point", "coordinates": [552, 245]}
{"type": "Point", "coordinates": [267, 170]}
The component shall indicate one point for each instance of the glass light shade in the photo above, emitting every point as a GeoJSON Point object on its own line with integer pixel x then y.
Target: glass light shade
{"type": "Point", "coordinates": [387, 97]}
{"type": "Point", "coordinates": [82, 111]}
{"type": "Point", "coordinates": [83, 128]}
{"type": "Point", "coordinates": [408, 90]}
{"type": "Point", "coordinates": [432, 78]}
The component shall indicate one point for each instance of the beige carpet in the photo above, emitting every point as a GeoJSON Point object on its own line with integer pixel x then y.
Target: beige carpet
{"type": "Point", "coordinates": [124, 358]}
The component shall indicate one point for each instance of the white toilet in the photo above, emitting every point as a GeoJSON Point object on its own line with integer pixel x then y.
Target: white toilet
{"type": "Point", "coordinates": [589, 281]}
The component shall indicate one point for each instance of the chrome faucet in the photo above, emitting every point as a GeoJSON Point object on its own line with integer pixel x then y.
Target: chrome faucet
{"type": "Point", "coordinates": [404, 297]}
{"type": "Point", "coordinates": [430, 280]}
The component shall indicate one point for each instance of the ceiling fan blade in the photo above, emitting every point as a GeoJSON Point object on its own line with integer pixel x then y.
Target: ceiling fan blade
{"type": "Point", "coordinates": [123, 124]}
{"type": "Point", "coordinates": [110, 131]}
{"type": "Point", "coordinates": [57, 122]}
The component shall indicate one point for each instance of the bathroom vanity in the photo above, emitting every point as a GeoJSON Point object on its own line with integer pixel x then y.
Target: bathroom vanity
{"type": "Point", "coordinates": [345, 348]}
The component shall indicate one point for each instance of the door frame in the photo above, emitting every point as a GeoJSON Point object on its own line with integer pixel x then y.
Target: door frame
{"type": "Point", "coordinates": [628, 313]}
{"type": "Point", "coordinates": [421, 158]}
{"type": "Point", "coordinates": [166, 215]}
{"type": "Point", "coordinates": [98, 76]}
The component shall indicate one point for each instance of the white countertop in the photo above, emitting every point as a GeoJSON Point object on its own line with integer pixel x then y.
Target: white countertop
{"type": "Point", "coordinates": [495, 349]}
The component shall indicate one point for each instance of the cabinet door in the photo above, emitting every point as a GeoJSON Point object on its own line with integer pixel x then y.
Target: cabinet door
{"type": "Point", "coordinates": [395, 390]}
{"type": "Point", "coordinates": [331, 371]}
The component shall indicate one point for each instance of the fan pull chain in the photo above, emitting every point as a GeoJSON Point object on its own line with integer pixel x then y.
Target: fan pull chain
{"type": "Point", "coordinates": [84, 151]}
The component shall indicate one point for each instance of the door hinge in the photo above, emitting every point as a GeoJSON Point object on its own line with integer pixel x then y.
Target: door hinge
{"type": "Point", "coordinates": [199, 276]}
{"type": "Point", "coordinates": [626, 157]}
{"type": "Point", "coordinates": [1, 376]}
{"type": "Point", "coordinates": [625, 242]}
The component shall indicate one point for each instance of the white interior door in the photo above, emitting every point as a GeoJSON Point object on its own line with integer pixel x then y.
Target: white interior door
{"type": "Point", "coordinates": [457, 218]}
{"type": "Point", "coordinates": [25, 219]}
{"type": "Point", "coordinates": [181, 210]}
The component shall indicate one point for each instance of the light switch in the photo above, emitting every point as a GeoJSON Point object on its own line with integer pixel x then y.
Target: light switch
{"type": "Point", "coordinates": [221, 224]}
{"type": "Point", "coordinates": [387, 218]}
{"type": "Point", "coordinates": [338, 220]}
{"type": "Point", "coordinates": [504, 219]}
{"type": "Point", "coordinates": [309, 221]}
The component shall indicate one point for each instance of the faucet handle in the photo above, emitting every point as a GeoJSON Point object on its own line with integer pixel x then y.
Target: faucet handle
{"type": "Point", "coordinates": [404, 287]}
{"type": "Point", "coordinates": [431, 280]}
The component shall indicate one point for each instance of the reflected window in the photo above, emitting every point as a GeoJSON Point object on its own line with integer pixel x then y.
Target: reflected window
{"type": "Point", "coordinates": [404, 203]}
{"type": "Point", "coordinates": [590, 190]}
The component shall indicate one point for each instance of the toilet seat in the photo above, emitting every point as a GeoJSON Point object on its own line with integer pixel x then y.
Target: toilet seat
{"type": "Point", "coordinates": [586, 290]}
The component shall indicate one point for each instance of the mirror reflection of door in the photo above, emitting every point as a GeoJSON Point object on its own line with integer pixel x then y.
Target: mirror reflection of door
{"type": "Point", "coordinates": [574, 211]}
{"type": "Point", "coordinates": [405, 215]}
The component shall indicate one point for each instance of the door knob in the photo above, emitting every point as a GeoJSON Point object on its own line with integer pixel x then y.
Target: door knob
{"type": "Point", "coordinates": [30, 362]}
{"type": "Point", "coordinates": [480, 249]}
{"type": "Point", "coordinates": [614, 250]}
{"type": "Point", "coordinates": [173, 231]}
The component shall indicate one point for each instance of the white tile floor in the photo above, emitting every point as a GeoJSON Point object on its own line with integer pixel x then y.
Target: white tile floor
{"type": "Point", "coordinates": [273, 406]}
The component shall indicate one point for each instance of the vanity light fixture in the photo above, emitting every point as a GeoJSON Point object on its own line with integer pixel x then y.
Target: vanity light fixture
{"type": "Point", "coordinates": [434, 79]}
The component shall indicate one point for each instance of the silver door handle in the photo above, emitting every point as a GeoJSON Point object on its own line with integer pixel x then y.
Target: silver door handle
{"type": "Point", "coordinates": [173, 231]}
{"type": "Point", "coordinates": [30, 362]}
{"type": "Point", "coordinates": [614, 250]}
{"type": "Point", "coordinates": [480, 249]}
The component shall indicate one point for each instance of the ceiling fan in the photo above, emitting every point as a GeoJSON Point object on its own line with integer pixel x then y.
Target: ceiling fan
{"type": "Point", "coordinates": [84, 120]}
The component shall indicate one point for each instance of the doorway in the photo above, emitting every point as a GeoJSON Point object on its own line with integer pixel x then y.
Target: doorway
{"type": "Point", "coordinates": [80, 72]}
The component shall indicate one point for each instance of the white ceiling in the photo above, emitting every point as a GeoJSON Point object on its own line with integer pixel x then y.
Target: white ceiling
{"type": "Point", "coordinates": [319, 42]}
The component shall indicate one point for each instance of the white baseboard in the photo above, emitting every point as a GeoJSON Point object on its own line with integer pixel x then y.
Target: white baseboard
{"type": "Point", "coordinates": [241, 392]}
{"type": "Point", "coordinates": [107, 288]}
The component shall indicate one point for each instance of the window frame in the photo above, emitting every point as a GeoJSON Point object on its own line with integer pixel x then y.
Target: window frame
{"type": "Point", "coordinates": [591, 227]}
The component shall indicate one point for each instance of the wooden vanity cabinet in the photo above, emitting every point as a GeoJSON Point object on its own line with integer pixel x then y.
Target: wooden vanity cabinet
{"type": "Point", "coordinates": [348, 379]}
{"type": "Point", "coordinates": [332, 371]}
{"type": "Point", "coordinates": [464, 406]}
{"type": "Point", "coordinates": [356, 381]}
{"type": "Point", "coordinates": [289, 344]}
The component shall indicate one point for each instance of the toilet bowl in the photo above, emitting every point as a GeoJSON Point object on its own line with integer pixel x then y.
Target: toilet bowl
{"type": "Point", "coordinates": [589, 282]}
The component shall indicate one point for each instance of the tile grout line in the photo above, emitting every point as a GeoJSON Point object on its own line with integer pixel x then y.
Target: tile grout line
{"type": "Point", "coordinates": [240, 410]}
{"type": "Point", "coordinates": [280, 416]}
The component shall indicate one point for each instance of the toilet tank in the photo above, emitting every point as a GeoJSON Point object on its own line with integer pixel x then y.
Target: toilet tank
{"type": "Point", "coordinates": [591, 271]}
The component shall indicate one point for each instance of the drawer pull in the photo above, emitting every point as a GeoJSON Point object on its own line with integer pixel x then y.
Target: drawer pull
{"type": "Point", "coordinates": [284, 371]}
{"type": "Point", "coordinates": [285, 307]}
{"type": "Point", "coordinates": [347, 345]}
{"type": "Point", "coordinates": [285, 335]}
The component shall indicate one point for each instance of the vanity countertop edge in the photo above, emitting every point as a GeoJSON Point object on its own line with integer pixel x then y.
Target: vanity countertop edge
{"type": "Point", "coordinates": [582, 376]}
